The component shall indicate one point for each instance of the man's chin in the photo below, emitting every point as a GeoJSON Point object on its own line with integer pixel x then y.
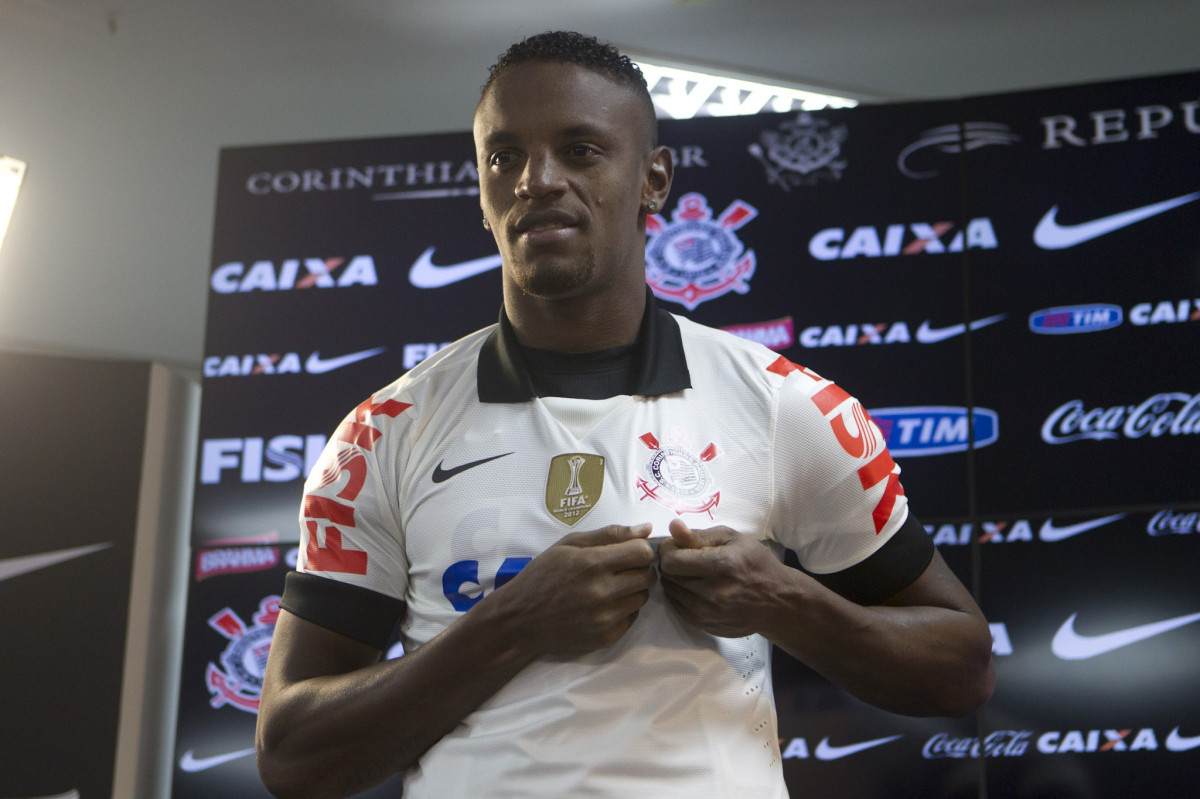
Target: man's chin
{"type": "Point", "coordinates": [552, 282]}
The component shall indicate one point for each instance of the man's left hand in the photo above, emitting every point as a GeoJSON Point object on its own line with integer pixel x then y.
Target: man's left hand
{"type": "Point", "coordinates": [718, 580]}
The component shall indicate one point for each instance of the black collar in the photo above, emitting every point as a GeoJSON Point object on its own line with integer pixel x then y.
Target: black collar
{"type": "Point", "coordinates": [504, 377]}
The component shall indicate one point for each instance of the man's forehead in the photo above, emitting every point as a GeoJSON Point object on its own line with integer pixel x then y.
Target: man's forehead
{"type": "Point", "coordinates": [552, 85]}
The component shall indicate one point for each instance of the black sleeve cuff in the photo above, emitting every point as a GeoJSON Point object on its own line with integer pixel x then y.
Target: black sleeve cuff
{"type": "Point", "coordinates": [359, 613]}
{"type": "Point", "coordinates": [891, 568]}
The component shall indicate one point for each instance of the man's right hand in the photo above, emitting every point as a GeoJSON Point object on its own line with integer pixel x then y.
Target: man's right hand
{"type": "Point", "coordinates": [584, 592]}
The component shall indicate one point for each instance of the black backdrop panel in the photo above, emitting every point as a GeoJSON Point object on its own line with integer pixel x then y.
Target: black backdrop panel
{"type": "Point", "coordinates": [1096, 376]}
{"type": "Point", "coordinates": [232, 605]}
{"type": "Point", "coordinates": [1008, 283]}
{"type": "Point", "coordinates": [1101, 622]}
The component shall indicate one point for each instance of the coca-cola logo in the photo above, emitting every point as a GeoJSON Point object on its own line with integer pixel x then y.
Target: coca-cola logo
{"type": "Point", "coordinates": [1172, 413]}
{"type": "Point", "coordinates": [1167, 522]}
{"type": "Point", "coordinates": [1001, 743]}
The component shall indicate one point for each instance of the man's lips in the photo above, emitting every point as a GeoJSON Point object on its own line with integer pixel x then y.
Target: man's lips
{"type": "Point", "coordinates": [544, 222]}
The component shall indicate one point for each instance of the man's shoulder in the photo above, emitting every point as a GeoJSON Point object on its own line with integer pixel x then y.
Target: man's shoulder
{"type": "Point", "coordinates": [711, 347]}
{"type": "Point", "coordinates": [425, 385]}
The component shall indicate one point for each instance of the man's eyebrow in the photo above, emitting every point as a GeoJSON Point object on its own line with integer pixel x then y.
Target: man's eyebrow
{"type": "Point", "coordinates": [498, 137]}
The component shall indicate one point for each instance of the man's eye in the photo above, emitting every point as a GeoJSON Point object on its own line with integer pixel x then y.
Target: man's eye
{"type": "Point", "coordinates": [500, 158]}
{"type": "Point", "coordinates": [582, 150]}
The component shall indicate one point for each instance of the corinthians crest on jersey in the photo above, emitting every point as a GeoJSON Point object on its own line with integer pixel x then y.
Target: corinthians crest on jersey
{"type": "Point", "coordinates": [801, 152]}
{"type": "Point", "coordinates": [238, 680]}
{"type": "Point", "coordinates": [694, 258]}
{"type": "Point", "coordinates": [674, 476]}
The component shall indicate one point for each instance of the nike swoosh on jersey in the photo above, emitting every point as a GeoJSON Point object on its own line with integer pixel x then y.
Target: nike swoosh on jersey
{"type": "Point", "coordinates": [1181, 743]}
{"type": "Point", "coordinates": [316, 365]}
{"type": "Point", "coordinates": [11, 567]}
{"type": "Point", "coordinates": [929, 335]}
{"type": "Point", "coordinates": [827, 751]}
{"type": "Point", "coordinates": [1070, 645]}
{"type": "Point", "coordinates": [191, 763]}
{"type": "Point", "coordinates": [1052, 532]}
{"type": "Point", "coordinates": [425, 274]}
{"type": "Point", "coordinates": [441, 475]}
{"type": "Point", "coordinates": [1050, 235]}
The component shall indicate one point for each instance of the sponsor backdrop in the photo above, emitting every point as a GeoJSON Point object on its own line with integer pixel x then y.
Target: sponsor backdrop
{"type": "Point", "coordinates": [1010, 284]}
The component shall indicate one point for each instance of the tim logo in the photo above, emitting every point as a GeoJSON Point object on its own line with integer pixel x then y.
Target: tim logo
{"type": "Point", "coordinates": [695, 258]}
{"type": "Point", "coordinates": [934, 430]}
{"type": "Point", "coordinates": [1075, 319]}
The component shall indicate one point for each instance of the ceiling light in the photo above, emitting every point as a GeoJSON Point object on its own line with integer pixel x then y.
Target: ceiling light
{"type": "Point", "coordinates": [687, 93]}
{"type": "Point", "coordinates": [12, 172]}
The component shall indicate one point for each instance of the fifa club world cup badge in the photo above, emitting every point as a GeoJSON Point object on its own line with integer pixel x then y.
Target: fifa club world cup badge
{"type": "Point", "coordinates": [801, 152]}
{"type": "Point", "coordinates": [676, 477]}
{"type": "Point", "coordinates": [238, 680]}
{"type": "Point", "coordinates": [694, 258]}
{"type": "Point", "coordinates": [574, 485]}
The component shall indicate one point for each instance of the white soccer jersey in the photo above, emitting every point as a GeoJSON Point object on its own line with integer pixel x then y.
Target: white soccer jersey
{"type": "Point", "coordinates": [431, 496]}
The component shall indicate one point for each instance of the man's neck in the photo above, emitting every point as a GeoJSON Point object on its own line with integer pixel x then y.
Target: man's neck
{"type": "Point", "coordinates": [576, 324]}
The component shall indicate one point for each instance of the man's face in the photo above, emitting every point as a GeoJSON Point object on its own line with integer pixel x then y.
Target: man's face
{"type": "Point", "coordinates": [565, 166]}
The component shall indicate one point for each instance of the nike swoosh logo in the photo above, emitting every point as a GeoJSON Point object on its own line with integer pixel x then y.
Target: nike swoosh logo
{"type": "Point", "coordinates": [1070, 645]}
{"type": "Point", "coordinates": [1050, 235]}
{"type": "Point", "coordinates": [827, 751]}
{"type": "Point", "coordinates": [11, 567]}
{"type": "Point", "coordinates": [929, 335]}
{"type": "Point", "coordinates": [1181, 743]}
{"type": "Point", "coordinates": [441, 475]}
{"type": "Point", "coordinates": [424, 274]}
{"type": "Point", "coordinates": [316, 365]}
{"type": "Point", "coordinates": [191, 763]}
{"type": "Point", "coordinates": [1052, 532]}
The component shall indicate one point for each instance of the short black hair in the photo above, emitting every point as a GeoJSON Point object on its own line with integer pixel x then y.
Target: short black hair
{"type": "Point", "coordinates": [588, 52]}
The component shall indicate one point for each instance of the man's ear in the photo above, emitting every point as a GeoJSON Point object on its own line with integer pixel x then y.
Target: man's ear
{"type": "Point", "coordinates": [659, 172]}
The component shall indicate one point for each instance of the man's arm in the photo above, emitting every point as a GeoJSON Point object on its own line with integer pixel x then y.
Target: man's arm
{"type": "Point", "coordinates": [334, 721]}
{"type": "Point", "coordinates": [926, 651]}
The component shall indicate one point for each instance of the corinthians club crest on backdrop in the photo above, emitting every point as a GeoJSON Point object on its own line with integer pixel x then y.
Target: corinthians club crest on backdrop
{"type": "Point", "coordinates": [695, 258]}
{"type": "Point", "coordinates": [237, 681]}
{"type": "Point", "coordinates": [801, 152]}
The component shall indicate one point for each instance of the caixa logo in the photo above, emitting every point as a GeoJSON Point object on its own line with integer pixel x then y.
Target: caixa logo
{"type": "Point", "coordinates": [1070, 319]}
{"type": "Point", "coordinates": [935, 429]}
{"type": "Point", "coordinates": [274, 460]}
{"type": "Point", "coordinates": [294, 273]}
{"type": "Point", "coordinates": [1171, 413]}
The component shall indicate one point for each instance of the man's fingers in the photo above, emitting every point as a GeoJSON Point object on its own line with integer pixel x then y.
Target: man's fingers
{"type": "Point", "coordinates": [687, 538]}
{"type": "Point", "coordinates": [612, 534]}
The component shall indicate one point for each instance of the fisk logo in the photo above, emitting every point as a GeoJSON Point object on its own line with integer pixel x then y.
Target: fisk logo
{"type": "Point", "coordinates": [295, 273]}
{"type": "Point", "coordinates": [833, 243]}
{"type": "Point", "coordinates": [935, 429]}
{"type": "Point", "coordinates": [276, 460]}
{"type": "Point", "coordinates": [287, 363]}
{"type": "Point", "coordinates": [1070, 319]}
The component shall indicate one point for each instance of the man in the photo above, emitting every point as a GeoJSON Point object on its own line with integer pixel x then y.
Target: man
{"type": "Point", "coordinates": [578, 515]}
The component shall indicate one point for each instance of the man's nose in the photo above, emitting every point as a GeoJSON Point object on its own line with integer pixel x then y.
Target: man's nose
{"type": "Point", "coordinates": [542, 176]}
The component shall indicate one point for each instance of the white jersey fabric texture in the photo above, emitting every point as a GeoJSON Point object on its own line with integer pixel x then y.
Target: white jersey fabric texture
{"type": "Point", "coordinates": [428, 495]}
